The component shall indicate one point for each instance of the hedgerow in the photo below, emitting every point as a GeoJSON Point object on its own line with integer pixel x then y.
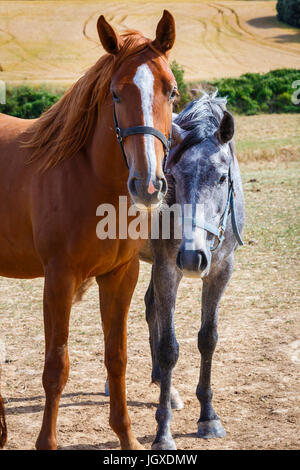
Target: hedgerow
{"type": "Point", "coordinates": [254, 93]}
{"type": "Point", "coordinates": [251, 93]}
{"type": "Point", "coordinates": [26, 102]}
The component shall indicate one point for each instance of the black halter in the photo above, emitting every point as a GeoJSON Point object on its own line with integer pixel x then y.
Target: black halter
{"type": "Point", "coordinates": [122, 133]}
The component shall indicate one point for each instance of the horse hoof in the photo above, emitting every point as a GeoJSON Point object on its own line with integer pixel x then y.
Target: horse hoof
{"type": "Point", "coordinates": [176, 402]}
{"type": "Point", "coordinates": [137, 446]}
{"type": "Point", "coordinates": [133, 444]}
{"type": "Point", "coordinates": [164, 444]}
{"type": "Point", "coordinates": [210, 429]}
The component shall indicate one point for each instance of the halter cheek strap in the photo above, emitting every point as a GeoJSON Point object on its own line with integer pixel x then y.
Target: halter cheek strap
{"type": "Point", "coordinates": [121, 134]}
{"type": "Point", "coordinates": [219, 231]}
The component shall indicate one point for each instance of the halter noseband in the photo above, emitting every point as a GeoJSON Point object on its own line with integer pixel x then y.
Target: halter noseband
{"type": "Point", "coordinates": [219, 231]}
{"type": "Point", "coordinates": [123, 133]}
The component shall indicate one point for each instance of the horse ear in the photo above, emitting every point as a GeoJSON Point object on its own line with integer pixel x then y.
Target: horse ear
{"type": "Point", "coordinates": [177, 134]}
{"type": "Point", "coordinates": [110, 40]}
{"type": "Point", "coordinates": [226, 128]}
{"type": "Point", "coordinates": [165, 32]}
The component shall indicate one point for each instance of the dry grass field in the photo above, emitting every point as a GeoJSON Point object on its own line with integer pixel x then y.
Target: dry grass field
{"type": "Point", "coordinates": [57, 40]}
{"type": "Point", "coordinates": [268, 138]}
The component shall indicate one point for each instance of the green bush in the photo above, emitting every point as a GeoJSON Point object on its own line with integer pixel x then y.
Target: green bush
{"type": "Point", "coordinates": [184, 98]}
{"type": "Point", "coordinates": [255, 93]}
{"type": "Point", "coordinates": [252, 93]}
{"type": "Point", "coordinates": [26, 102]}
{"type": "Point", "coordinates": [289, 11]}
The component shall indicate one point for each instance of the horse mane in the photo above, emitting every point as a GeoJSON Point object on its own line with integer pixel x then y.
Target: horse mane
{"type": "Point", "coordinates": [64, 129]}
{"type": "Point", "coordinates": [201, 118]}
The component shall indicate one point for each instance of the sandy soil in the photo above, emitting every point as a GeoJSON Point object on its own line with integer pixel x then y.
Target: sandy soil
{"type": "Point", "coordinates": [57, 41]}
{"type": "Point", "coordinates": [256, 364]}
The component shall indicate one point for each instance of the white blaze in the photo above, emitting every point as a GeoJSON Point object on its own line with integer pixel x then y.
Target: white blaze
{"type": "Point", "coordinates": [144, 80]}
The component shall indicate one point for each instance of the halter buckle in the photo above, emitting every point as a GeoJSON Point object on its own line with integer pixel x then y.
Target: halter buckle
{"type": "Point", "coordinates": [118, 134]}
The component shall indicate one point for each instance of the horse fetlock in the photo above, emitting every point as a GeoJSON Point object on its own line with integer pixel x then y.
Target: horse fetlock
{"type": "Point", "coordinates": [121, 424]}
{"type": "Point", "coordinates": [204, 394]}
{"type": "Point", "coordinates": [46, 442]}
{"type": "Point", "coordinates": [163, 416]}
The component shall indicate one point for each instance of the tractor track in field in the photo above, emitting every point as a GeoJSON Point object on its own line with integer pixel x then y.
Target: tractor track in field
{"type": "Point", "coordinates": [244, 33]}
{"type": "Point", "coordinates": [110, 18]}
{"type": "Point", "coordinates": [222, 29]}
{"type": "Point", "coordinates": [23, 53]}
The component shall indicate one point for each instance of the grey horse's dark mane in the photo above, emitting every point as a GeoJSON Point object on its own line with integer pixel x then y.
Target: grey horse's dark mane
{"type": "Point", "coordinates": [201, 118]}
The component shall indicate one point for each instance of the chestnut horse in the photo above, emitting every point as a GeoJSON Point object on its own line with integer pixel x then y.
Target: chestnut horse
{"type": "Point", "coordinates": [56, 170]}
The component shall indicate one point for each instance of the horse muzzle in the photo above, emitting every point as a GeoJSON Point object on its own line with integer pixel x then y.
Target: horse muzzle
{"type": "Point", "coordinates": [147, 194]}
{"type": "Point", "coordinates": [193, 263]}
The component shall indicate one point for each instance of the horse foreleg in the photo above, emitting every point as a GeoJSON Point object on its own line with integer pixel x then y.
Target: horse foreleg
{"type": "Point", "coordinates": [166, 279]}
{"type": "Point", "coordinates": [58, 293]}
{"type": "Point", "coordinates": [176, 401]}
{"type": "Point", "coordinates": [209, 424]}
{"type": "Point", "coordinates": [116, 289]}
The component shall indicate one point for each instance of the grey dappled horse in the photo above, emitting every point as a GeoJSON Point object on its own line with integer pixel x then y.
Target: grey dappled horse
{"type": "Point", "coordinates": [202, 169]}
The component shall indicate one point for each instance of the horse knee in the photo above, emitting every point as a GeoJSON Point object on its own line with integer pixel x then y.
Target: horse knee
{"type": "Point", "coordinates": [56, 371]}
{"type": "Point", "coordinates": [168, 352]}
{"type": "Point", "coordinates": [207, 340]}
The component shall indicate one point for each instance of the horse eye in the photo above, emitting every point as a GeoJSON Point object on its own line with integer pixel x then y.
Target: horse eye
{"type": "Point", "coordinates": [223, 179]}
{"type": "Point", "coordinates": [115, 97]}
{"type": "Point", "coordinates": [174, 93]}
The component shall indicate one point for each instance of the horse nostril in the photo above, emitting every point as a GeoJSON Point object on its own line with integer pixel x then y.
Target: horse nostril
{"type": "Point", "coordinates": [179, 261]}
{"type": "Point", "coordinates": [161, 185]}
{"type": "Point", "coordinates": [132, 187]}
{"type": "Point", "coordinates": [202, 260]}
{"type": "Point", "coordinates": [164, 186]}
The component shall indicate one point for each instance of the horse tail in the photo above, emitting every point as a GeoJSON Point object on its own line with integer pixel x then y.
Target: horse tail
{"type": "Point", "coordinates": [3, 428]}
{"type": "Point", "coordinates": [83, 289]}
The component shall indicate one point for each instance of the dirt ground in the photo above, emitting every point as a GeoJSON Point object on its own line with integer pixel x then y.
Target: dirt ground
{"type": "Point", "coordinates": [56, 41]}
{"type": "Point", "coordinates": [256, 365]}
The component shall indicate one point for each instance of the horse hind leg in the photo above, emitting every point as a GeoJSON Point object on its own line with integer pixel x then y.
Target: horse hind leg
{"type": "Point", "coordinates": [58, 293]}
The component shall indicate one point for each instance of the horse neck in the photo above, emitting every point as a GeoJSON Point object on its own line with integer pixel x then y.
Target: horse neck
{"type": "Point", "coordinates": [104, 150]}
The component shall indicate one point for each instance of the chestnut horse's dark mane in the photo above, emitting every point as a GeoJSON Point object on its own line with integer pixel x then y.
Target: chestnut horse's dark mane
{"type": "Point", "coordinates": [65, 128]}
